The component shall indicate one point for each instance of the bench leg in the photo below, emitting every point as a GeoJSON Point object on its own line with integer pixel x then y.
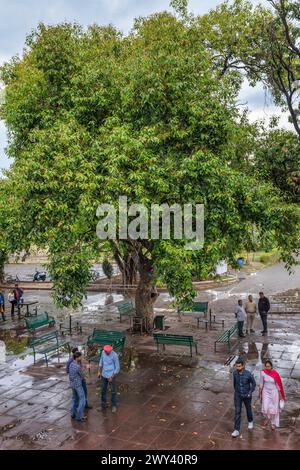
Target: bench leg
{"type": "Point", "coordinates": [191, 350]}
{"type": "Point", "coordinates": [196, 348]}
{"type": "Point", "coordinates": [46, 360]}
{"type": "Point", "coordinates": [215, 346]}
{"type": "Point", "coordinates": [223, 324]}
{"type": "Point", "coordinates": [206, 326]}
{"type": "Point", "coordinates": [198, 322]}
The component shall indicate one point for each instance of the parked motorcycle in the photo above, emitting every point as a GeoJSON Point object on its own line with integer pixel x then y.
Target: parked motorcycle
{"type": "Point", "coordinates": [40, 276]}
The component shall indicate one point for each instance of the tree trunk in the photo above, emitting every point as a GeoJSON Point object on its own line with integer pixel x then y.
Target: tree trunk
{"type": "Point", "coordinates": [144, 298]}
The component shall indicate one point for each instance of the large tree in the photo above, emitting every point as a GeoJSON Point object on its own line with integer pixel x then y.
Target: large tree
{"type": "Point", "coordinates": [93, 116]}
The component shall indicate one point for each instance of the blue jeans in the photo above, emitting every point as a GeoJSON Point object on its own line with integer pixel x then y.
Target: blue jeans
{"type": "Point", "coordinates": [113, 385]}
{"type": "Point", "coordinates": [85, 391]}
{"type": "Point", "coordinates": [78, 403]}
{"type": "Point", "coordinates": [238, 400]}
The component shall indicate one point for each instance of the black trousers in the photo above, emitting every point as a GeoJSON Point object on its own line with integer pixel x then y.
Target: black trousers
{"type": "Point", "coordinates": [240, 327]}
{"type": "Point", "coordinates": [264, 320]}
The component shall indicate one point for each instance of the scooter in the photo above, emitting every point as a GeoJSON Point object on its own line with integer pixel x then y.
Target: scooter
{"type": "Point", "coordinates": [40, 276]}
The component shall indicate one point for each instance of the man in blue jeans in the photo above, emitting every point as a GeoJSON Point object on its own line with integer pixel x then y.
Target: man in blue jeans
{"type": "Point", "coordinates": [78, 399]}
{"type": "Point", "coordinates": [109, 367]}
{"type": "Point", "coordinates": [84, 385]}
{"type": "Point", "coordinates": [244, 385]}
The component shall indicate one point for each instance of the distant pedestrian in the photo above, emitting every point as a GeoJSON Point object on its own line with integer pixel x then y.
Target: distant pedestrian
{"type": "Point", "coordinates": [2, 306]}
{"type": "Point", "coordinates": [250, 311]}
{"type": "Point", "coordinates": [78, 399]}
{"type": "Point", "coordinates": [241, 317]}
{"type": "Point", "coordinates": [84, 385]}
{"type": "Point", "coordinates": [271, 395]}
{"type": "Point", "coordinates": [263, 308]}
{"type": "Point", "coordinates": [109, 367]}
{"type": "Point", "coordinates": [244, 385]}
{"type": "Point", "coordinates": [17, 299]}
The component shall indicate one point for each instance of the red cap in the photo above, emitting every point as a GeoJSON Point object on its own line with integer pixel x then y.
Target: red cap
{"type": "Point", "coordinates": [107, 348]}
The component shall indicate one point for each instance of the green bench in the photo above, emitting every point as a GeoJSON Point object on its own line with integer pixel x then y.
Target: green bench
{"type": "Point", "coordinates": [43, 319]}
{"type": "Point", "coordinates": [126, 309]}
{"type": "Point", "coordinates": [46, 344]}
{"type": "Point", "coordinates": [226, 336]}
{"type": "Point", "coordinates": [197, 309]}
{"type": "Point", "coordinates": [176, 340]}
{"type": "Point", "coordinates": [101, 337]}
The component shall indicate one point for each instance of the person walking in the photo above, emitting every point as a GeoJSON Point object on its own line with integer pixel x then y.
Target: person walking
{"type": "Point", "coordinates": [78, 399]}
{"type": "Point", "coordinates": [84, 385]}
{"type": "Point", "coordinates": [109, 367]}
{"type": "Point", "coordinates": [244, 385]}
{"type": "Point", "coordinates": [241, 317]}
{"type": "Point", "coordinates": [250, 308]}
{"type": "Point", "coordinates": [271, 395]}
{"type": "Point", "coordinates": [263, 308]}
{"type": "Point", "coordinates": [2, 306]}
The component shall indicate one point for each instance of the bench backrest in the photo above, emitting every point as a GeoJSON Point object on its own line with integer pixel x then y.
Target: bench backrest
{"type": "Point", "coordinates": [161, 337]}
{"type": "Point", "coordinates": [44, 339]}
{"type": "Point", "coordinates": [200, 306]}
{"type": "Point", "coordinates": [40, 319]}
{"type": "Point", "coordinates": [126, 307]}
{"type": "Point", "coordinates": [99, 334]}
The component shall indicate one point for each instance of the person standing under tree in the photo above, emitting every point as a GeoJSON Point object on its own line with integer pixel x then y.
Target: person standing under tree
{"type": "Point", "coordinates": [78, 399]}
{"type": "Point", "coordinates": [263, 308]}
{"type": "Point", "coordinates": [109, 367]}
{"type": "Point", "coordinates": [2, 306]}
{"type": "Point", "coordinates": [84, 384]}
{"type": "Point", "coordinates": [241, 317]}
{"type": "Point", "coordinates": [250, 311]}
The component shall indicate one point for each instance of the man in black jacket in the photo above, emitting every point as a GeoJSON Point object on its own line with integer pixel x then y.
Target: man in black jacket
{"type": "Point", "coordinates": [263, 308]}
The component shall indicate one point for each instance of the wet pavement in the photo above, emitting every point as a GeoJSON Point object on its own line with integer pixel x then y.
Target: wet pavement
{"type": "Point", "coordinates": [166, 401]}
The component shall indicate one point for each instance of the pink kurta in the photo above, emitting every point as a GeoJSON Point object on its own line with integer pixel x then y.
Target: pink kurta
{"type": "Point", "coordinates": [270, 398]}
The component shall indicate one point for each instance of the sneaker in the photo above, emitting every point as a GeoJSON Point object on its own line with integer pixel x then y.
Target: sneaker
{"type": "Point", "coordinates": [252, 331]}
{"type": "Point", "coordinates": [235, 433]}
{"type": "Point", "coordinates": [82, 420]}
{"type": "Point", "coordinates": [114, 409]}
{"type": "Point", "coordinates": [250, 425]}
{"type": "Point", "coordinates": [246, 332]}
{"type": "Point", "coordinates": [73, 416]}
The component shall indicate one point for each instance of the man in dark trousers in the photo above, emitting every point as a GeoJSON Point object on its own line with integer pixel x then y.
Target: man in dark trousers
{"type": "Point", "coordinates": [244, 385]}
{"type": "Point", "coordinates": [18, 299]}
{"type": "Point", "coordinates": [263, 308]}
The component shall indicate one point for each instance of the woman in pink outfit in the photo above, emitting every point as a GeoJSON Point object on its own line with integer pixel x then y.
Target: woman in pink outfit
{"type": "Point", "coordinates": [271, 392]}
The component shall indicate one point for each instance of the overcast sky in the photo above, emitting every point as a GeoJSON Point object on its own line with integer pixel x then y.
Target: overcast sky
{"type": "Point", "coordinates": [19, 17]}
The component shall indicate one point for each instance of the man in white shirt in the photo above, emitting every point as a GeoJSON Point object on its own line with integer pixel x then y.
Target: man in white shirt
{"type": "Point", "coordinates": [241, 316]}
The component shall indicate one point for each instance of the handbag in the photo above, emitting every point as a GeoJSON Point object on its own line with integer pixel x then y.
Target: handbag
{"type": "Point", "coordinates": [281, 404]}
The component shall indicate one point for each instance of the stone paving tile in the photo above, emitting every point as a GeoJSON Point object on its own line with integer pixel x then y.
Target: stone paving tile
{"type": "Point", "coordinates": [8, 405]}
{"type": "Point", "coordinates": [147, 434]}
{"type": "Point", "coordinates": [166, 440]}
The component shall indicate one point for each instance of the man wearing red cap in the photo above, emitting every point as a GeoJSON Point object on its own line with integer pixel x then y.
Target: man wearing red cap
{"type": "Point", "coordinates": [109, 367]}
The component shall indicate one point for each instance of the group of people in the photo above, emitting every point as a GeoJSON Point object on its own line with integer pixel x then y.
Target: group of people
{"type": "Point", "coordinates": [16, 299]}
{"type": "Point", "coordinates": [109, 367]}
{"type": "Point", "coordinates": [271, 395]}
{"type": "Point", "coordinates": [249, 312]}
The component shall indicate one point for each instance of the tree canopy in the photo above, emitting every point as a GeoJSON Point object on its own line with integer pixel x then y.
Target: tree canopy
{"type": "Point", "coordinates": [93, 115]}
